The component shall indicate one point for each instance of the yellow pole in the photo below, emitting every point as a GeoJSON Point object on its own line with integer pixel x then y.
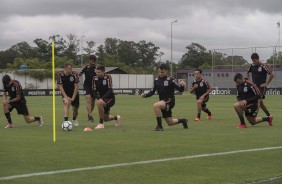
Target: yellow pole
{"type": "Point", "coordinates": [53, 94]}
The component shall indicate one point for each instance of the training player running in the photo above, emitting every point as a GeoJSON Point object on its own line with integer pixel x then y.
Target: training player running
{"type": "Point", "coordinates": [248, 95]}
{"type": "Point", "coordinates": [17, 101]}
{"type": "Point", "coordinates": [67, 82]}
{"type": "Point", "coordinates": [103, 91]}
{"type": "Point", "coordinates": [89, 72]}
{"type": "Point", "coordinates": [259, 72]}
{"type": "Point", "coordinates": [165, 86]}
{"type": "Point", "coordinates": [202, 88]}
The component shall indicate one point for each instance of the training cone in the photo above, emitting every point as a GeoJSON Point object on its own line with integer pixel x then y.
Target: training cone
{"type": "Point", "coordinates": [87, 129]}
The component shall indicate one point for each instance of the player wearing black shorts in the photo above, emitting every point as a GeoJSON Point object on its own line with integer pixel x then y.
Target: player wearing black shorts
{"type": "Point", "coordinates": [165, 86]}
{"type": "Point", "coordinates": [248, 95]}
{"type": "Point", "coordinates": [259, 72]}
{"type": "Point", "coordinates": [103, 91]}
{"type": "Point", "coordinates": [67, 82]}
{"type": "Point", "coordinates": [17, 101]}
{"type": "Point", "coordinates": [89, 72]}
{"type": "Point", "coordinates": [201, 88]}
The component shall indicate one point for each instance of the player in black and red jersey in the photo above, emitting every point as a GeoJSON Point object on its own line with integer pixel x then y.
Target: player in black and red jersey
{"type": "Point", "coordinates": [17, 101]}
{"type": "Point", "coordinates": [102, 87]}
{"type": "Point", "coordinates": [67, 82]}
{"type": "Point", "coordinates": [201, 88]}
{"type": "Point", "coordinates": [248, 96]}
{"type": "Point", "coordinates": [259, 72]}
{"type": "Point", "coordinates": [89, 72]}
{"type": "Point", "coordinates": [165, 86]}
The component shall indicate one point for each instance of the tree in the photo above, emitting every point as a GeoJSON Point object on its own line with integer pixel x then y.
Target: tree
{"type": "Point", "coordinates": [89, 49]}
{"type": "Point", "coordinates": [43, 49]}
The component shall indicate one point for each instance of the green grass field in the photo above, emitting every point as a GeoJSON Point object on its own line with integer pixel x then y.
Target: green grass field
{"type": "Point", "coordinates": [29, 149]}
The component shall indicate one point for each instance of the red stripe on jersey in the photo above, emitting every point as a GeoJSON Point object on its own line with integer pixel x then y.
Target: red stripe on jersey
{"type": "Point", "coordinates": [266, 67]}
{"type": "Point", "coordinates": [257, 91]}
{"type": "Point", "coordinates": [110, 84]}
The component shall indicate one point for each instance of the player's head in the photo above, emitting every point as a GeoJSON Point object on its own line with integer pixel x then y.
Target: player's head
{"type": "Point", "coordinates": [67, 68]}
{"type": "Point", "coordinates": [92, 59]}
{"type": "Point", "coordinates": [255, 58]}
{"type": "Point", "coordinates": [198, 73]}
{"type": "Point", "coordinates": [100, 71]}
{"type": "Point", "coordinates": [6, 80]}
{"type": "Point", "coordinates": [239, 79]}
{"type": "Point", "coordinates": [163, 70]}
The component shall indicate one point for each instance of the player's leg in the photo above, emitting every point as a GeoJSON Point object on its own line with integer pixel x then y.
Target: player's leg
{"type": "Point", "coordinates": [158, 106]}
{"type": "Point", "coordinates": [205, 109]}
{"type": "Point", "coordinates": [75, 107]}
{"type": "Point", "coordinates": [89, 105]}
{"type": "Point", "coordinates": [67, 105]}
{"type": "Point", "coordinates": [22, 109]}
{"type": "Point", "coordinates": [100, 104]}
{"type": "Point", "coordinates": [199, 109]}
{"type": "Point", "coordinates": [251, 115]}
{"type": "Point", "coordinates": [7, 108]}
{"type": "Point", "coordinates": [108, 116]}
{"type": "Point", "coordinates": [240, 112]}
{"type": "Point", "coordinates": [264, 108]}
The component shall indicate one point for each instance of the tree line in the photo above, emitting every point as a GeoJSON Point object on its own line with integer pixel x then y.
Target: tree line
{"type": "Point", "coordinates": [132, 57]}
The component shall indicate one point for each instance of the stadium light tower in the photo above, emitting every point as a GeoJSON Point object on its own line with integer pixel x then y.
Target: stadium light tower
{"type": "Point", "coordinates": [171, 70]}
{"type": "Point", "coordinates": [81, 45]}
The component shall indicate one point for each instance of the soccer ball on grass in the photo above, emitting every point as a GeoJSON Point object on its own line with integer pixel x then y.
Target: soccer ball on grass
{"type": "Point", "coordinates": [67, 126]}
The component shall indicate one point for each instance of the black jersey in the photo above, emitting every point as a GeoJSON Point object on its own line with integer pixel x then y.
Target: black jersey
{"type": "Point", "coordinates": [103, 87]}
{"type": "Point", "coordinates": [259, 73]}
{"type": "Point", "coordinates": [203, 86]}
{"type": "Point", "coordinates": [15, 89]}
{"type": "Point", "coordinates": [89, 72]}
{"type": "Point", "coordinates": [165, 87]}
{"type": "Point", "coordinates": [248, 91]}
{"type": "Point", "coordinates": [68, 81]}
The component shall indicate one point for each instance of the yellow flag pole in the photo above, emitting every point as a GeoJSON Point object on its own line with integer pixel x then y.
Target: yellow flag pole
{"type": "Point", "coordinates": [53, 93]}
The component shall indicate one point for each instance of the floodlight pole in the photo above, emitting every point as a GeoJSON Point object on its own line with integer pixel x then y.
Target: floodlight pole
{"type": "Point", "coordinates": [171, 70]}
{"type": "Point", "coordinates": [81, 45]}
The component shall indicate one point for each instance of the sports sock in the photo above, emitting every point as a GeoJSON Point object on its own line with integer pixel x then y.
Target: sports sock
{"type": "Point", "coordinates": [242, 120]}
{"type": "Point", "coordinates": [199, 115]}
{"type": "Point", "coordinates": [115, 117]}
{"type": "Point", "coordinates": [66, 118]}
{"type": "Point", "coordinates": [8, 117]}
{"type": "Point", "coordinates": [101, 121]}
{"type": "Point", "coordinates": [267, 113]}
{"type": "Point", "coordinates": [181, 120]}
{"type": "Point", "coordinates": [159, 122]}
{"type": "Point", "coordinates": [36, 118]}
{"type": "Point", "coordinates": [265, 119]}
{"type": "Point", "coordinates": [206, 110]}
{"type": "Point", "coordinates": [74, 118]}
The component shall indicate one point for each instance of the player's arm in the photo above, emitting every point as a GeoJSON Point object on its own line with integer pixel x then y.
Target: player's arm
{"type": "Point", "coordinates": [209, 89]}
{"type": "Point", "coordinates": [256, 93]}
{"type": "Point", "coordinates": [76, 82]}
{"type": "Point", "coordinates": [151, 92]}
{"type": "Point", "coordinates": [18, 96]}
{"type": "Point", "coordinates": [249, 71]}
{"type": "Point", "coordinates": [193, 88]}
{"type": "Point", "coordinates": [271, 76]}
{"type": "Point", "coordinates": [180, 86]}
{"type": "Point", "coordinates": [110, 88]}
{"type": "Point", "coordinates": [60, 87]}
{"type": "Point", "coordinates": [82, 71]}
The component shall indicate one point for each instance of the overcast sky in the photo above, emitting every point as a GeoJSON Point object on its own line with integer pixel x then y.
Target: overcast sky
{"type": "Point", "coordinates": [214, 24]}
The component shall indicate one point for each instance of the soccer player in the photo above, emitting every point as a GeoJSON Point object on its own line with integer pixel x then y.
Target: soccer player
{"type": "Point", "coordinates": [17, 101]}
{"type": "Point", "coordinates": [248, 96]}
{"type": "Point", "coordinates": [259, 72]}
{"type": "Point", "coordinates": [89, 72]}
{"type": "Point", "coordinates": [202, 88]}
{"type": "Point", "coordinates": [67, 82]}
{"type": "Point", "coordinates": [103, 91]}
{"type": "Point", "coordinates": [165, 86]}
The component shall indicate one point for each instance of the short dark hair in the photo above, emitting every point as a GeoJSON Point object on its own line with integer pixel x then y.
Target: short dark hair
{"type": "Point", "coordinates": [163, 67]}
{"type": "Point", "coordinates": [92, 57]}
{"type": "Point", "coordinates": [101, 67]}
{"type": "Point", "coordinates": [6, 79]}
{"type": "Point", "coordinates": [238, 76]}
{"type": "Point", "coordinates": [199, 70]}
{"type": "Point", "coordinates": [67, 64]}
{"type": "Point", "coordinates": [254, 56]}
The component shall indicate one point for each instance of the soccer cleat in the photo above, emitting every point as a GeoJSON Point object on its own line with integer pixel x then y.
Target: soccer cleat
{"type": "Point", "coordinates": [210, 116]}
{"type": "Point", "coordinates": [197, 119]}
{"type": "Point", "coordinates": [40, 121]}
{"type": "Point", "coordinates": [159, 128]}
{"type": "Point", "coordinates": [270, 118]}
{"type": "Point", "coordinates": [100, 126]}
{"type": "Point", "coordinates": [9, 125]}
{"type": "Point", "coordinates": [118, 120]}
{"type": "Point", "coordinates": [75, 123]}
{"type": "Point", "coordinates": [185, 124]}
{"type": "Point", "coordinates": [241, 126]}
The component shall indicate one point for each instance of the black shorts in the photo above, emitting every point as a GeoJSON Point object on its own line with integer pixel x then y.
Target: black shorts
{"type": "Point", "coordinates": [88, 89]}
{"type": "Point", "coordinates": [109, 103]}
{"type": "Point", "coordinates": [251, 110]}
{"type": "Point", "coordinates": [206, 99]}
{"type": "Point", "coordinates": [75, 103]}
{"type": "Point", "coordinates": [21, 108]}
{"type": "Point", "coordinates": [167, 111]}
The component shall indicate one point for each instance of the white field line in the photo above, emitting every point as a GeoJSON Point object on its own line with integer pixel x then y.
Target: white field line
{"type": "Point", "coordinates": [268, 180]}
{"type": "Point", "coordinates": [134, 163]}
